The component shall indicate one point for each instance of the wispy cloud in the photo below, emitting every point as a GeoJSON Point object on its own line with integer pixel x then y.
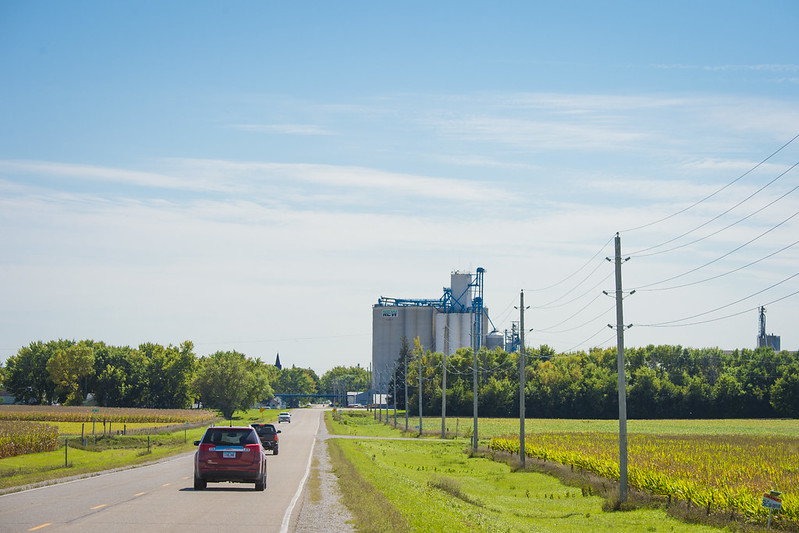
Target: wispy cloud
{"type": "Point", "coordinates": [764, 67]}
{"type": "Point", "coordinates": [286, 129]}
{"type": "Point", "coordinates": [319, 186]}
{"type": "Point", "coordinates": [53, 169]}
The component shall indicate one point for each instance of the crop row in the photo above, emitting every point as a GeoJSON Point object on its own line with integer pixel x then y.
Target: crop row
{"type": "Point", "coordinates": [729, 472]}
{"type": "Point", "coordinates": [59, 413]}
{"type": "Point", "coordinates": [17, 438]}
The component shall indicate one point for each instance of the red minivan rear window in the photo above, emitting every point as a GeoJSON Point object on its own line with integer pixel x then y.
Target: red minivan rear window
{"type": "Point", "coordinates": [230, 437]}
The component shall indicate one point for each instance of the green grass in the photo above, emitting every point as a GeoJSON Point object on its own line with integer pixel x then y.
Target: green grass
{"type": "Point", "coordinates": [109, 452]}
{"type": "Point", "coordinates": [436, 487]}
{"type": "Point", "coordinates": [104, 452]}
{"type": "Point", "coordinates": [384, 479]}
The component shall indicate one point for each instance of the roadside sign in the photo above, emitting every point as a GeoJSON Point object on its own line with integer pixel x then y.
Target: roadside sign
{"type": "Point", "coordinates": [772, 501]}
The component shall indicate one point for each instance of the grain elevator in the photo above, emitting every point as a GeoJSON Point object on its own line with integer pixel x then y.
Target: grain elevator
{"type": "Point", "coordinates": [458, 319]}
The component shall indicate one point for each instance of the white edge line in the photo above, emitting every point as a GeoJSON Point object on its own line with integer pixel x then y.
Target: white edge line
{"type": "Point", "coordinates": [284, 527]}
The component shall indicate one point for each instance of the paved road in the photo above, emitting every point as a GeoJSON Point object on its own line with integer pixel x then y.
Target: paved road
{"type": "Point", "coordinates": [160, 497]}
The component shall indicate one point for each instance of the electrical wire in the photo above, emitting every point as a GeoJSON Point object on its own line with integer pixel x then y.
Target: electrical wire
{"type": "Point", "coordinates": [549, 330]}
{"type": "Point", "coordinates": [712, 277]}
{"type": "Point", "coordinates": [575, 314]}
{"type": "Point", "coordinates": [668, 325]}
{"type": "Point", "coordinates": [663, 324]}
{"type": "Point", "coordinates": [599, 252]}
{"type": "Point", "coordinates": [716, 192]}
{"type": "Point", "coordinates": [725, 255]}
{"type": "Point", "coordinates": [639, 254]}
{"type": "Point", "coordinates": [588, 339]}
{"type": "Point", "coordinates": [549, 306]}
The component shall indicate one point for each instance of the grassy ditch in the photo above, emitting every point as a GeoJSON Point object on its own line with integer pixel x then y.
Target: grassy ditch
{"type": "Point", "coordinates": [436, 487]}
{"type": "Point", "coordinates": [701, 434]}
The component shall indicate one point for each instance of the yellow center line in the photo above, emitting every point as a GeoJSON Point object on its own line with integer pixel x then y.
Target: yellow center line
{"type": "Point", "coordinates": [99, 506]}
{"type": "Point", "coordinates": [139, 494]}
{"type": "Point", "coordinates": [41, 526]}
{"type": "Point", "coordinates": [166, 484]}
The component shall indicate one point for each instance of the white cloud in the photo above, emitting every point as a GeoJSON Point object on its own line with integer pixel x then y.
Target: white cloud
{"type": "Point", "coordinates": [288, 129]}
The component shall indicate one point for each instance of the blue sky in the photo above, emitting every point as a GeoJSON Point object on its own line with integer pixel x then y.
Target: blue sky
{"type": "Point", "coordinates": [254, 175]}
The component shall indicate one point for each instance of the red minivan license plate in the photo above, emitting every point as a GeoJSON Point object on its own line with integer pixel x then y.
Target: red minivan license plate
{"type": "Point", "coordinates": [229, 455]}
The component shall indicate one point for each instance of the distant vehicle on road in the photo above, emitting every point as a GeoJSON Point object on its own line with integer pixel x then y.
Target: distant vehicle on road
{"type": "Point", "coordinates": [356, 405]}
{"type": "Point", "coordinates": [232, 454]}
{"type": "Point", "coordinates": [268, 435]}
{"type": "Point", "coordinates": [284, 417]}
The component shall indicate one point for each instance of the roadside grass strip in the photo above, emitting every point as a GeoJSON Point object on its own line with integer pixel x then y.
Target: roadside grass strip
{"type": "Point", "coordinates": [726, 473]}
{"type": "Point", "coordinates": [436, 487]}
{"type": "Point", "coordinates": [109, 452]}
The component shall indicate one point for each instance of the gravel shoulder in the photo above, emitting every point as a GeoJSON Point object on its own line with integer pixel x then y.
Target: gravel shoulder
{"type": "Point", "coordinates": [322, 509]}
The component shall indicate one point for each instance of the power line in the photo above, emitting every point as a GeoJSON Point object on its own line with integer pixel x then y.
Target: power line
{"type": "Point", "coordinates": [549, 304]}
{"type": "Point", "coordinates": [727, 254]}
{"type": "Point", "coordinates": [712, 277]}
{"type": "Point", "coordinates": [599, 252]}
{"type": "Point", "coordinates": [639, 254]}
{"type": "Point", "coordinates": [663, 324]}
{"type": "Point", "coordinates": [716, 192]}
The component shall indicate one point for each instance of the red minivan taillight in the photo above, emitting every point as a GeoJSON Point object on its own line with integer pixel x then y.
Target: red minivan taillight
{"type": "Point", "coordinates": [255, 448]}
{"type": "Point", "coordinates": [205, 449]}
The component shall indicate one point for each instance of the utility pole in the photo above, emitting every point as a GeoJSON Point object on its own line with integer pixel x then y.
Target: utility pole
{"type": "Point", "coordinates": [622, 378]}
{"type": "Point", "coordinates": [395, 394]}
{"type": "Point", "coordinates": [522, 376]}
{"type": "Point", "coordinates": [474, 407]}
{"type": "Point", "coordinates": [420, 387]}
{"type": "Point", "coordinates": [444, 401]}
{"type": "Point", "coordinates": [405, 380]}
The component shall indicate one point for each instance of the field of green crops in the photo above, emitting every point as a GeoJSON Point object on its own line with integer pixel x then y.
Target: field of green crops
{"type": "Point", "coordinates": [719, 472]}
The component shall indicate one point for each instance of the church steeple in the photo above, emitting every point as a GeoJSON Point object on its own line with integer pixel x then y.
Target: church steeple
{"type": "Point", "coordinates": [277, 362]}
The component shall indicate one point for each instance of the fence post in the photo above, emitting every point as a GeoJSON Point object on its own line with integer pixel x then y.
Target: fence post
{"type": "Point", "coordinates": [66, 447]}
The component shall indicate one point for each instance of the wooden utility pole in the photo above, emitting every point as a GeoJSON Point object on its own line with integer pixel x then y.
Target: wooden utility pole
{"type": "Point", "coordinates": [522, 354]}
{"type": "Point", "coordinates": [622, 378]}
{"type": "Point", "coordinates": [474, 407]}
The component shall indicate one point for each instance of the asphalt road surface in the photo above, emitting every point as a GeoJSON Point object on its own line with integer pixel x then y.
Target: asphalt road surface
{"type": "Point", "coordinates": [161, 497]}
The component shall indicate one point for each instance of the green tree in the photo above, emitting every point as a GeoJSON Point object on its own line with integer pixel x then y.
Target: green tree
{"type": "Point", "coordinates": [170, 372]}
{"type": "Point", "coordinates": [296, 381]}
{"type": "Point", "coordinates": [785, 394]}
{"type": "Point", "coordinates": [27, 377]}
{"type": "Point", "coordinates": [353, 378]}
{"type": "Point", "coordinates": [67, 367]}
{"type": "Point", "coordinates": [120, 376]}
{"type": "Point", "coordinates": [229, 381]}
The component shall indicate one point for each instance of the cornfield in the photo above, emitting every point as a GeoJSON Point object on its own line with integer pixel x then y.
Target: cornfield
{"type": "Point", "coordinates": [716, 472]}
{"type": "Point", "coordinates": [17, 438]}
{"type": "Point", "coordinates": [109, 414]}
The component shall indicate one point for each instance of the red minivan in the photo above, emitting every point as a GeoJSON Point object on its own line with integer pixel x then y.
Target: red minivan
{"type": "Point", "coordinates": [229, 454]}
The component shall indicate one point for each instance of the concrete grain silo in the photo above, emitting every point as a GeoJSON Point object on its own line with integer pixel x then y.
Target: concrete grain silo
{"type": "Point", "coordinates": [442, 325]}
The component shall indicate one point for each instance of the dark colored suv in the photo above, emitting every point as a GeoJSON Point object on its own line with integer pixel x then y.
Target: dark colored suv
{"type": "Point", "coordinates": [229, 454]}
{"type": "Point", "coordinates": [268, 435]}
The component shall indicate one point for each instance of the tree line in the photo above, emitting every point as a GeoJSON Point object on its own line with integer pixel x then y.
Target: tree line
{"type": "Point", "coordinates": [155, 376]}
{"type": "Point", "coordinates": [662, 382]}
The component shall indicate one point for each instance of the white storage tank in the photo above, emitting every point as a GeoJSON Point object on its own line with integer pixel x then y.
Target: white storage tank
{"type": "Point", "coordinates": [461, 291]}
{"type": "Point", "coordinates": [495, 339]}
